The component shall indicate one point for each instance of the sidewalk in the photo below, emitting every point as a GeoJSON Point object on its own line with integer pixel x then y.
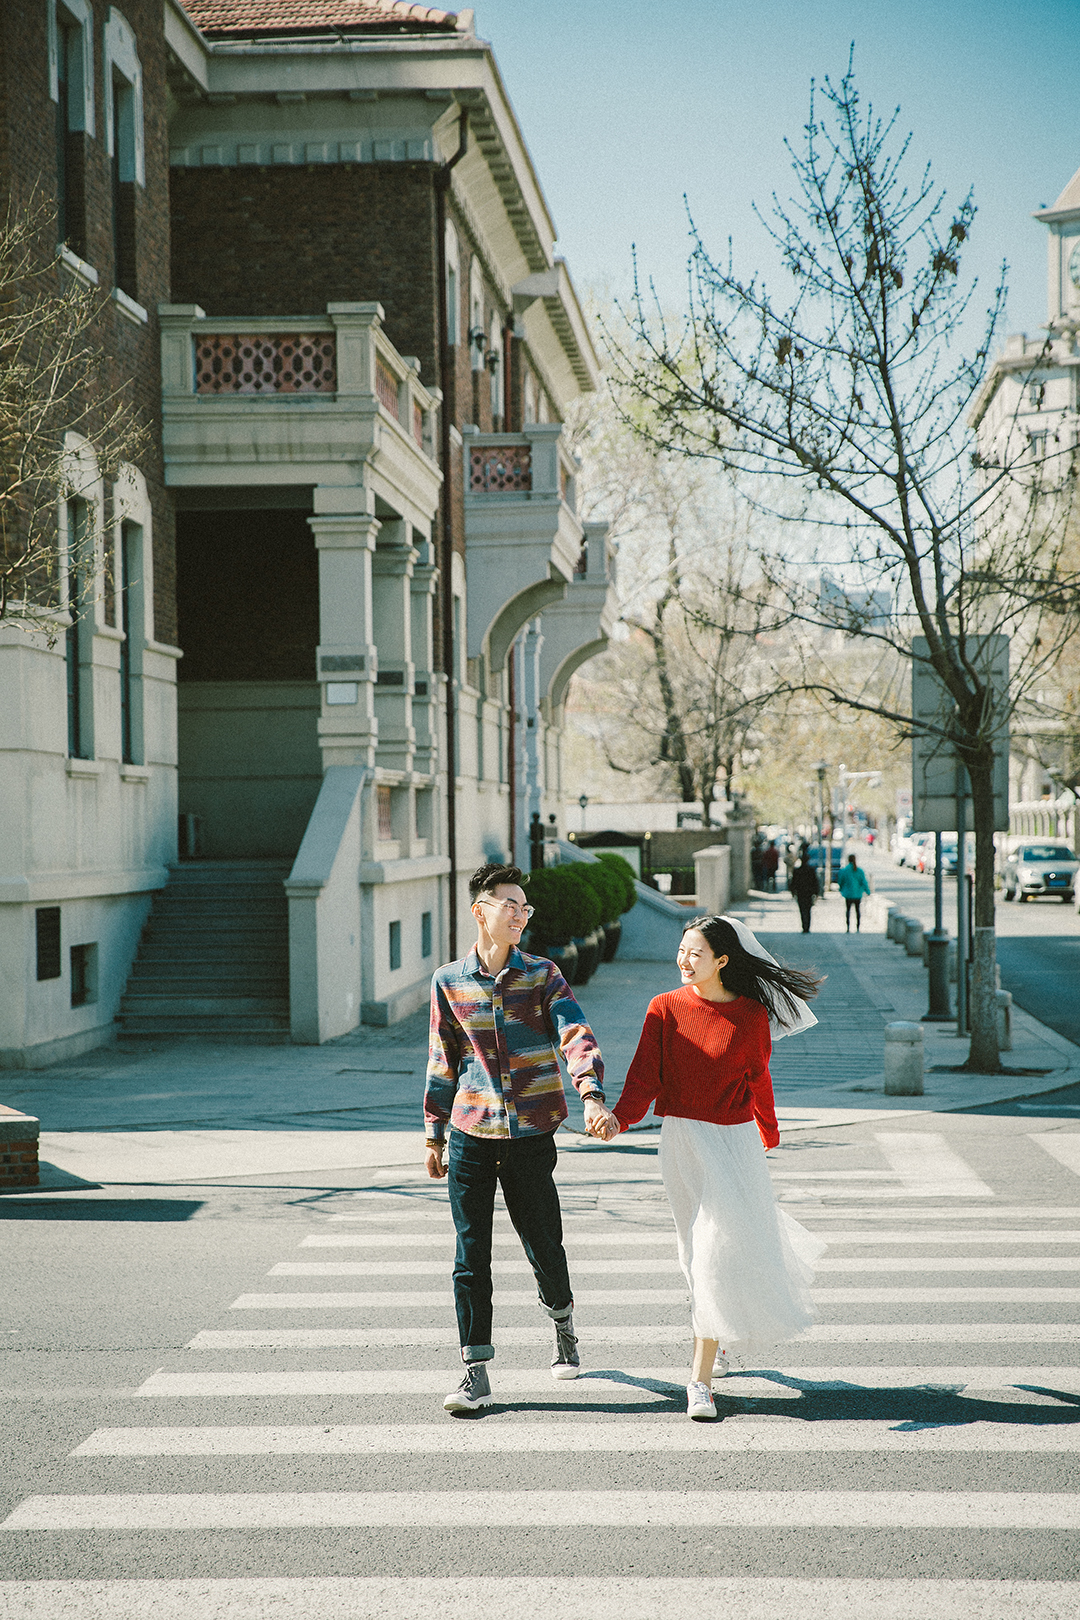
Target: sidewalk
{"type": "Point", "coordinates": [158, 1113]}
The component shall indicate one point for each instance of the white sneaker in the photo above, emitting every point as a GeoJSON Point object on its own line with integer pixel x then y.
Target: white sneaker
{"type": "Point", "coordinates": [722, 1366]}
{"type": "Point", "coordinates": [699, 1403]}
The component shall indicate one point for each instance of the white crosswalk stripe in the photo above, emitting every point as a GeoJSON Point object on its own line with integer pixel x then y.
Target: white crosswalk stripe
{"type": "Point", "coordinates": [1064, 1146]}
{"type": "Point", "coordinates": [575, 1597]}
{"type": "Point", "coordinates": [639, 1435]}
{"type": "Point", "coordinates": [349, 1394]}
{"type": "Point", "coordinates": [602, 1385]}
{"type": "Point", "coordinates": [249, 1510]}
{"type": "Point", "coordinates": [603, 1298]}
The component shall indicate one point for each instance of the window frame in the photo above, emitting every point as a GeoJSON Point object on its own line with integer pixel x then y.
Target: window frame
{"type": "Point", "coordinates": [82, 15]}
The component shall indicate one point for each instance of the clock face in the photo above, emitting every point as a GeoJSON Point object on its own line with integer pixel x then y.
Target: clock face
{"type": "Point", "coordinates": [1074, 266]}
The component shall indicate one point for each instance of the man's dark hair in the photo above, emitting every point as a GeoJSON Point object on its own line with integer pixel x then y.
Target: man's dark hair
{"type": "Point", "coordinates": [488, 877]}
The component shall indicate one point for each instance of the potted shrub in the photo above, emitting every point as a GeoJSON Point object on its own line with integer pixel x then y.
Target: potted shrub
{"type": "Point", "coordinates": [620, 867]}
{"type": "Point", "coordinates": [585, 906]}
{"type": "Point", "coordinates": [610, 890]}
{"type": "Point", "coordinates": [552, 923]}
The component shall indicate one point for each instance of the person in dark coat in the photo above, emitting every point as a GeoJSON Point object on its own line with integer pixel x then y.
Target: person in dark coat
{"type": "Point", "coordinates": [805, 887]}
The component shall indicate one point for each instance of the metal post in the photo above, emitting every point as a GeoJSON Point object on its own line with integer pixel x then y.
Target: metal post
{"type": "Point", "coordinates": [938, 897]}
{"type": "Point", "coordinates": [842, 773]}
{"type": "Point", "coordinates": [962, 1025]}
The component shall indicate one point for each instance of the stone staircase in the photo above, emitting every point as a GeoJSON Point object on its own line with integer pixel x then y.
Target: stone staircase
{"type": "Point", "coordinates": [213, 959]}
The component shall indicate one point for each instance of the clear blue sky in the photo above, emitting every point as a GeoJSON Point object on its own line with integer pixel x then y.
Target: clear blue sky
{"type": "Point", "coordinates": [627, 104]}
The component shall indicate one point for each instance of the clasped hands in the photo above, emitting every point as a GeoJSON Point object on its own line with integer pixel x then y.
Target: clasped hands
{"type": "Point", "coordinates": [600, 1121]}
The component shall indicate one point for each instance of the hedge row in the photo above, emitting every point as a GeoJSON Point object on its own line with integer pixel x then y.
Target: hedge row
{"type": "Point", "coordinates": [573, 899]}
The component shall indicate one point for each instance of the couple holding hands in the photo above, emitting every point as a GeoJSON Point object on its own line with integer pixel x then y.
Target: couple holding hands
{"type": "Point", "coordinates": [499, 1020]}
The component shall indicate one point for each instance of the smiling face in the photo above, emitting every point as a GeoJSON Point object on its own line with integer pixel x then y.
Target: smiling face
{"type": "Point", "coordinates": [697, 964]}
{"type": "Point", "coordinates": [501, 913]}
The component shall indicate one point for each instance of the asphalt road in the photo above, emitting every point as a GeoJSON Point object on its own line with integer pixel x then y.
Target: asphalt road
{"type": "Point", "coordinates": [232, 1393]}
{"type": "Point", "coordinates": [1038, 944]}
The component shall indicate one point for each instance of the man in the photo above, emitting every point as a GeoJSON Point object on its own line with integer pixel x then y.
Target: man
{"type": "Point", "coordinates": [770, 860]}
{"type": "Point", "coordinates": [853, 884]}
{"type": "Point", "coordinates": [498, 1021]}
{"type": "Point", "coordinates": [804, 886]}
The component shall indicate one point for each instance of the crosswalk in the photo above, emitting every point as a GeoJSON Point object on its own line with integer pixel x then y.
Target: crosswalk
{"type": "Point", "coordinates": [913, 1455]}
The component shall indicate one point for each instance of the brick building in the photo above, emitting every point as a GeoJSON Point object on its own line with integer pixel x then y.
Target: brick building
{"type": "Point", "coordinates": [367, 348]}
{"type": "Point", "coordinates": [87, 726]}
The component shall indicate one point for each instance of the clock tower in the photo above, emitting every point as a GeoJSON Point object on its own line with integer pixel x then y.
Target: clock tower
{"type": "Point", "coordinates": [1063, 290]}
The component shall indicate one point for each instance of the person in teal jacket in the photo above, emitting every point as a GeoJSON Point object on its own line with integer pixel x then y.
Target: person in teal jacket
{"type": "Point", "coordinates": [853, 884]}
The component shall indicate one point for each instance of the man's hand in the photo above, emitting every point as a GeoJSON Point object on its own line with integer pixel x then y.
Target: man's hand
{"type": "Point", "coordinates": [433, 1160]}
{"type": "Point", "coordinates": [600, 1121]}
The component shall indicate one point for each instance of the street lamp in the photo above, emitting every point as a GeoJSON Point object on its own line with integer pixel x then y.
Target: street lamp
{"type": "Point", "coordinates": [583, 801]}
{"type": "Point", "coordinates": [820, 768]}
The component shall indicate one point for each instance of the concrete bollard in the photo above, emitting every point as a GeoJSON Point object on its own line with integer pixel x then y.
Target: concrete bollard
{"type": "Point", "coordinates": [913, 937]}
{"type": "Point", "coordinates": [903, 1060]}
{"type": "Point", "coordinates": [897, 925]}
{"type": "Point", "coordinates": [1004, 1020]}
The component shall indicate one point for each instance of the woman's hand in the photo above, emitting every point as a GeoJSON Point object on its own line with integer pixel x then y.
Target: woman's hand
{"type": "Point", "coordinates": [599, 1120]}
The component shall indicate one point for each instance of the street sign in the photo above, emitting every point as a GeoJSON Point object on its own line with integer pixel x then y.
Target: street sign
{"type": "Point", "coordinates": [935, 778]}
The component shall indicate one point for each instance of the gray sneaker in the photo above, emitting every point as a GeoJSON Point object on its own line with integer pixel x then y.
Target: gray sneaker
{"type": "Point", "coordinates": [474, 1390]}
{"type": "Point", "coordinates": [567, 1363]}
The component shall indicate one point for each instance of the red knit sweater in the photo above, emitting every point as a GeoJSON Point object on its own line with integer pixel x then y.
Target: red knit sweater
{"type": "Point", "coordinates": [702, 1060]}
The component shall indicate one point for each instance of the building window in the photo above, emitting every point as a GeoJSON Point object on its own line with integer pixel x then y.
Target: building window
{"type": "Point", "coordinates": [395, 946]}
{"type": "Point", "coordinates": [384, 805]}
{"type": "Point", "coordinates": [71, 84]}
{"type": "Point", "coordinates": [83, 975]}
{"type": "Point", "coordinates": [47, 929]}
{"type": "Point", "coordinates": [78, 635]}
{"type": "Point", "coordinates": [1036, 395]}
{"type": "Point", "coordinates": [130, 551]}
{"type": "Point", "coordinates": [477, 336]}
{"type": "Point", "coordinates": [124, 143]}
{"type": "Point", "coordinates": [495, 369]}
{"type": "Point", "coordinates": [453, 286]}
{"type": "Point", "coordinates": [425, 933]}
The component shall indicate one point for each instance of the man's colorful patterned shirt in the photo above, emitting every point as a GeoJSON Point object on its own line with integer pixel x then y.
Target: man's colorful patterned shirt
{"type": "Point", "coordinates": [493, 1066]}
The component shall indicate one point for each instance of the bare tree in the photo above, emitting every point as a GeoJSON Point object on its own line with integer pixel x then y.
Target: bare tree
{"type": "Point", "coordinates": [54, 394]}
{"type": "Point", "coordinates": [850, 391]}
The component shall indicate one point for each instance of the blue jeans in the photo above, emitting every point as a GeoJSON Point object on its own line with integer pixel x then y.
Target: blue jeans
{"type": "Point", "coordinates": [523, 1166]}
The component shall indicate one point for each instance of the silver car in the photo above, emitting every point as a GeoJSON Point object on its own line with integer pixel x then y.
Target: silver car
{"type": "Point", "coordinates": [1040, 869]}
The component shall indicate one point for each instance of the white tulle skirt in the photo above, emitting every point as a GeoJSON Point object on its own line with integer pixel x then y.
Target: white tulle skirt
{"type": "Point", "coordinates": [748, 1264]}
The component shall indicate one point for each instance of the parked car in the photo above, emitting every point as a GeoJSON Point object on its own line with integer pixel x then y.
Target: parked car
{"type": "Point", "coordinates": [816, 858]}
{"type": "Point", "coordinates": [1040, 869]}
{"type": "Point", "coordinates": [921, 850]}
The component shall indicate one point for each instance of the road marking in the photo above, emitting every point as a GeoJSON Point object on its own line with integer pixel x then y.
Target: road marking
{"type": "Point", "coordinates": [258, 1510]}
{"type": "Point", "coordinates": [416, 1240]}
{"type": "Point", "coordinates": [741, 1434]}
{"type": "Point", "coordinates": [575, 1597]}
{"type": "Point", "coordinates": [595, 1384]}
{"type": "Point", "coordinates": [411, 1240]}
{"type": "Point", "coordinates": [638, 1333]}
{"type": "Point", "coordinates": [639, 1266]}
{"type": "Point", "coordinates": [925, 1158]}
{"type": "Point", "coordinates": [603, 1298]}
{"type": "Point", "coordinates": [1064, 1146]}
{"type": "Point", "coordinates": [980, 1212]}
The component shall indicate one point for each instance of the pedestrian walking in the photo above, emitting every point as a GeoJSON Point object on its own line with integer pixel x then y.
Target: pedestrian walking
{"type": "Point", "coordinates": [770, 860]}
{"type": "Point", "coordinates": [853, 884]}
{"type": "Point", "coordinates": [703, 1063]}
{"type": "Point", "coordinates": [499, 1019]}
{"type": "Point", "coordinates": [805, 887]}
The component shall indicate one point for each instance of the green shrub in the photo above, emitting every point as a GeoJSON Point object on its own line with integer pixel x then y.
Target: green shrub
{"type": "Point", "coordinates": [620, 865]}
{"type": "Point", "coordinates": [554, 918]}
{"type": "Point", "coordinates": [606, 884]}
{"type": "Point", "coordinates": [584, 900]}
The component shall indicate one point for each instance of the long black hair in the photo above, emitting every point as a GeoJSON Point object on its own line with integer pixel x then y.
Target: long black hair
{"type": "Point", "coordinates": [778, 988]}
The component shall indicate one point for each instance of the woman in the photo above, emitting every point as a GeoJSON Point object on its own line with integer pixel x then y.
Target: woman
{"type": "Point", "coordinates": [703, 1062]}
{"type": "Point", "coordinates": [853, 884]}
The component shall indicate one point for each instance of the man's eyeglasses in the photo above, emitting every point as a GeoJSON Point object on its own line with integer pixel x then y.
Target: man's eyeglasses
{"type": "Point", "coordinates": [510, 907]}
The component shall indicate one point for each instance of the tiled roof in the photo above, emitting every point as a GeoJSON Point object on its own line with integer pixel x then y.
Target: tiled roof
{"type": "Point", "coordinates": [247, 17]}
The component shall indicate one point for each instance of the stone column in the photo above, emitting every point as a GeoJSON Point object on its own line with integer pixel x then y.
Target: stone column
{"type": "Point", "coordinates": [740, 833]}
{"type": "Point", "coordinates": [347, 656]}
{"type": "Point", "coordinates": [530, 739]}
{"type": "Point", "coordinates": [392, 569]}
{"type": "Point", "coordinates": [424, 718]}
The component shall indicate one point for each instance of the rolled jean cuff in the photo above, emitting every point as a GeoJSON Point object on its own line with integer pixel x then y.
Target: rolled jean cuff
{"type": "Point", "coordinates": [477, 1352]}
{"type": "Point", "coordinates": [558, 1313]}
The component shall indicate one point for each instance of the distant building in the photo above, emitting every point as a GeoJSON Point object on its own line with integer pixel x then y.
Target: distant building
{"type": "Point", "coordinates": [846, 607]}
{"type": "Point", "coordinates": [367, 344]}
{"type": "Point", "coordinates": [1027, 413]}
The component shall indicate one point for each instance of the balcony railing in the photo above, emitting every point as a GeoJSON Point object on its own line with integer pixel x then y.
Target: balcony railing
{"type": "Point", "coordinates": [289, 363]}
{"type": "Point", "coordinates": [500, 469]}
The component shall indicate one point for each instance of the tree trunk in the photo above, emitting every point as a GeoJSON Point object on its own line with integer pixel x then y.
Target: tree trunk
{"type": "Point", "coordinates": [984, 1056]}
